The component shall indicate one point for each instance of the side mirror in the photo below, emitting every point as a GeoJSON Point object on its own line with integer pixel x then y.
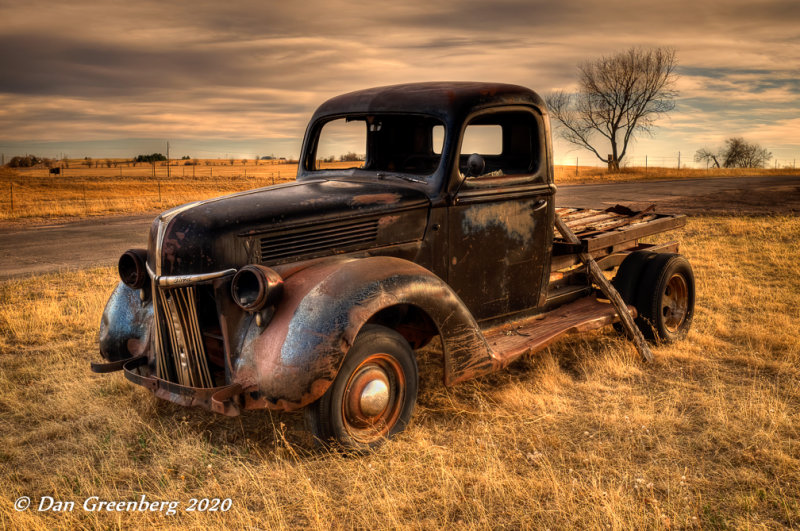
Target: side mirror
{"type": "Point", "coordinates": [475, 165]}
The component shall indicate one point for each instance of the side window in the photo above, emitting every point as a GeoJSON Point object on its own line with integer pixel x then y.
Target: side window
{"type": "Point", "coordinates": [483, 139]}
{"type": "Point", "coordinates": [509, 144]}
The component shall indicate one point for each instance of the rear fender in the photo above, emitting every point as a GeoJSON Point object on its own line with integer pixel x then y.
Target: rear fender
{"type": "Point", "coordinates": [296, 358]}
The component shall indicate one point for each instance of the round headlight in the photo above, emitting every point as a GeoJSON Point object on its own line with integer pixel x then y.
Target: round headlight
{"type": "Point", "coordinates": [132, 268]}
{"type": "Point", "coordinates": [255, 286]}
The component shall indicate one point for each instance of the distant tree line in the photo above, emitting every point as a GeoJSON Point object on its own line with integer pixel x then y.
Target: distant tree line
{"type": "Point", "coordinates": [155, 157]}
{"type": "Point", "coordinates": [351, 157]}
{"type": "Point", "coordinates": [737, 153]}
{"type": "Point", "coordinates": [28, 161]}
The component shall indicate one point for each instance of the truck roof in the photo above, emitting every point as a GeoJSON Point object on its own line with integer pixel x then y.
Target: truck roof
{"type": "Point", "coordinates": [446, 99]}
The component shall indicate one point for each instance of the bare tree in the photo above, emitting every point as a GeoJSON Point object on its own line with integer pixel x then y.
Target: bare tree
{"type": "Point", "coordinates": [617, 97]}
{"type": "Point", "coordinates": [708, 156]}
{"type": "Point", "coordinates": [737, 153]}
{"type": "Point", "coordinates": [742, 154]}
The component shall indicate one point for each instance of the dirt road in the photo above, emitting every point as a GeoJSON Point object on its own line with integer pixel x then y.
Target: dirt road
{"type": "Point", "coordinates": [100, 241]}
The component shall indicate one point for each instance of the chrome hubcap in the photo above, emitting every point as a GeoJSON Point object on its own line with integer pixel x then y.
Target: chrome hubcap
{"type": "Point", "coordinates": [374, 398]}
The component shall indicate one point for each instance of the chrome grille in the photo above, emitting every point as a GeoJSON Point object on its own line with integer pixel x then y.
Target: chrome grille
{"type": "Point", "coordinates": [317, 239]}
{"type": "Point", "coordinates": [179, 342]}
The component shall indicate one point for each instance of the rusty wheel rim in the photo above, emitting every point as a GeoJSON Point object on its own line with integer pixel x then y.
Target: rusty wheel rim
{"type": "Point", "coordinates": [373, 398]}
{"type": "Point", "coordinates": [675, 303]}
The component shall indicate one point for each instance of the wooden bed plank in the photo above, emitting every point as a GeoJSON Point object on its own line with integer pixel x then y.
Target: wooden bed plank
{"type": "Point", "coordinates": [514, 339]}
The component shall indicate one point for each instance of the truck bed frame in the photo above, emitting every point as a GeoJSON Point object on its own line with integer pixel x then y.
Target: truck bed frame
{"type": "Point", "coordinates": [573, 305]}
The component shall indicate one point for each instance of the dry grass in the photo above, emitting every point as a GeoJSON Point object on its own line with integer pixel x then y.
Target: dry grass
{"type": "Point", "coordinates": [582, 435]}
{"type": "Point", "coordinates": [83, 192]}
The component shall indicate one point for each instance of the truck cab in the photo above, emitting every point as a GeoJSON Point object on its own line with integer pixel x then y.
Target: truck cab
{"type": "Point", "coordinates": [489, 227]}
{"type": "Point", "coordinates": [315, 294]}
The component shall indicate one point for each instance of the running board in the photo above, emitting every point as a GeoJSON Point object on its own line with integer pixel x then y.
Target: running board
{"type": "Point", "coordinates": [511, 340]}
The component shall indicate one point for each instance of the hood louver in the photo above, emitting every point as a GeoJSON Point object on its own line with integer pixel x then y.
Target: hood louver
{"type": "Point", "coordinates": [317, 240]}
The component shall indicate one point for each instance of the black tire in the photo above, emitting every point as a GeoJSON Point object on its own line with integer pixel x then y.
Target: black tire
{"type": "Point", "coordinates": [665, 298]}
{"type": "Point", "coordinates": [352, 416]}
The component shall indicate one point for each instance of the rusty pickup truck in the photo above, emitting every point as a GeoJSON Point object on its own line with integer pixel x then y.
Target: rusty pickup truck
{"type": "Point", "coordinates": [315, 294]}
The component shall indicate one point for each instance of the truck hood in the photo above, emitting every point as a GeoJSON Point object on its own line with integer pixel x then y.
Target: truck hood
{"type": "Point", "coordinates": [296, 220]}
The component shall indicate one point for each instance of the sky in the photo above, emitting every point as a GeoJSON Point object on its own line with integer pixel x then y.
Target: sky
{"type": "Point", "coordinates": [241, 78]}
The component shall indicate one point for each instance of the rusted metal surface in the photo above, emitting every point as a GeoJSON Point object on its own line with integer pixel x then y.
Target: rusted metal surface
{"type": "Point", "coordinates": [126, 325]}
{"type": "Point", "coordinates": [496, 261]}
{"type": "Point", "coordinates": [296, 359]}
{"type": "Point", "coordinates": [419, 248]}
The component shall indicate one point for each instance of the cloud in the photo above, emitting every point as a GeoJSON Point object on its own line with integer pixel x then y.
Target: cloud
{"type": "Point", "coordinates": [244, 70]}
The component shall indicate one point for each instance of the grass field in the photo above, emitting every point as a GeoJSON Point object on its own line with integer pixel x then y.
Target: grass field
{"type": "Point", "coordinates": [581, 435]}
{"type": "Point", "coordinates": [34, 194]}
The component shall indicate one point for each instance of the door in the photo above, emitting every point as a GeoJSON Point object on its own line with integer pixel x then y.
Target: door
{"type": "Point", "coordinates": [500, 220]}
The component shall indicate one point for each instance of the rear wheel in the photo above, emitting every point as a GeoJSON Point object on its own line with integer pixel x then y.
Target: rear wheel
{"type": "Point", "coordinates": [373, 395]}
{"type": "Point", "coordinates": [665, 298]}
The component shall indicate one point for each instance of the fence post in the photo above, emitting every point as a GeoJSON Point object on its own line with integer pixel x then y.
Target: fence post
{"type": "Point", "coordinates": [85, 207]}
{"type": "Point", "coordinates": [11, 184]}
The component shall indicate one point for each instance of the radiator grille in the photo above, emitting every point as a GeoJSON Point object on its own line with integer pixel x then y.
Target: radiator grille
{"type": "Point", "coordinates": [179, 341]}
{"type": "Point", "coordinates": [315, 240]}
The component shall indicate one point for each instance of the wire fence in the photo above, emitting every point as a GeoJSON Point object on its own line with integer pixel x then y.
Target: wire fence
{"type": "Point", "coordinates": [678, 160]}
{"type": "Point", "coordinates": [83, 188]}
{"type": "Point", "coordinates": [79, 190]}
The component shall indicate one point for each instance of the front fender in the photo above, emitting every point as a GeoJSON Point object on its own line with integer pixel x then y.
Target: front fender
{"type": "Point", "coordinates": [125, 325]}
{"type": "Point", "coordinates": [294, 361]}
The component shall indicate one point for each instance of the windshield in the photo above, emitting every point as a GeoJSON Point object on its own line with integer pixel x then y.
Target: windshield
{"type": "Point", "coordinates": [392, 143]}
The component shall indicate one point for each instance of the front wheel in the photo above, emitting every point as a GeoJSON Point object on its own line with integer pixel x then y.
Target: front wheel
{"type": "Point", "coordinates": [373, 395]}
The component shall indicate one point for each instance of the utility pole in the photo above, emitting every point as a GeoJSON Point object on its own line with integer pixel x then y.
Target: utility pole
{"type": "Point", "coordinates": [679, 160]}
{"type": "Point", "coordinates": [168, 160]}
